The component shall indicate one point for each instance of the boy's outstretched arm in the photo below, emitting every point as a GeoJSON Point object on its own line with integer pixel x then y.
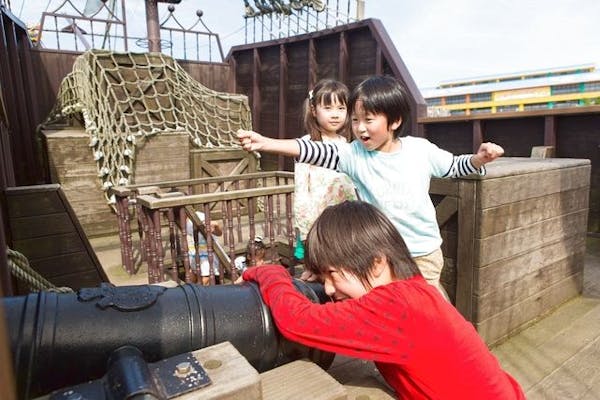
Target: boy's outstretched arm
{"type": "Point", "coordinates": [253, 141]}
{"type": "Point", "coordinates": [487, 152]}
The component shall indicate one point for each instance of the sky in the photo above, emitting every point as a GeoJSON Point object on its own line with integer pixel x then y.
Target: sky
{"type": "Point", "coordinates": [438, 40]}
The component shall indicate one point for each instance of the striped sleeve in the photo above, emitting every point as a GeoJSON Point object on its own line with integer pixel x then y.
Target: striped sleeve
{"type": "Point", "coordinates": [318, 153]}
{"type": "Point", "coordinates": [462, 166]}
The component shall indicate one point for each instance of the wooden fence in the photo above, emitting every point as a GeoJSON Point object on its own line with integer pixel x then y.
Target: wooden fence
{"type": "Point", "coordinates": [243, 204]}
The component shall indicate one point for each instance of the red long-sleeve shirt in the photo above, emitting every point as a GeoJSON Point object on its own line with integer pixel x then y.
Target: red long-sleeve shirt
{"type": "Point", "coordinates": [420, 343]}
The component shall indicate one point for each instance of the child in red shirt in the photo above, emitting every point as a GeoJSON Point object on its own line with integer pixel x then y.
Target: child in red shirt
{"type": "Point", "coordinates": [383, 310]}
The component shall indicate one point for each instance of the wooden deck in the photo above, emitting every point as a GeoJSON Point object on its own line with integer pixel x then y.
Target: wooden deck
{"type": "Point", "coordinates": [558, 357]}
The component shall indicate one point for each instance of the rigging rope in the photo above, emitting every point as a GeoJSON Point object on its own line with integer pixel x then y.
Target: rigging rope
{"type": "Point", "coordinates": [123, 98]}
{"type": "Point", "coordinates": [19, 267]}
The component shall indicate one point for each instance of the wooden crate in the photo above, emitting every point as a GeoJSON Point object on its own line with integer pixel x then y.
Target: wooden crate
{"type": "Point", "coordinates": [205, 163]}
{"type": "Point", "coordinates": [164, 156]}
{"type": "Point", "coordinates": [520, 241]}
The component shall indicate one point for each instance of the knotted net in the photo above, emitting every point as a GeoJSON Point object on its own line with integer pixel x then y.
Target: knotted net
{"type": "Point", "coordinates": [123, 98]}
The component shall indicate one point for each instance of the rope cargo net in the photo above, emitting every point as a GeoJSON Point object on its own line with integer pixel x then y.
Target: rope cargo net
{"type": "Point", "coordinates": [124, 98]}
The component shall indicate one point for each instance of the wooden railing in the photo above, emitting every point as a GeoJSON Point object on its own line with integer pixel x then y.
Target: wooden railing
{"type": "Point", "coordinates": [245, 205]}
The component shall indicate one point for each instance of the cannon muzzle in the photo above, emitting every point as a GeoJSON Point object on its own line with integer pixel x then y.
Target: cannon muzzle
{"type": "Point", "coordinates": [59, 340]}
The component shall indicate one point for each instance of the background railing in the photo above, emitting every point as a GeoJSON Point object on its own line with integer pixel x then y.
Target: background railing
{"type": "Point", "coordinates": [69, 28]}
{"type": "Point", "coordinates": [572, 132]}
{"type": "Point", "coordinates": [244, 205]}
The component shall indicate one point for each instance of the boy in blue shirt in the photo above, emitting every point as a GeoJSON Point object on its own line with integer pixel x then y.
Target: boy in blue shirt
{"type": "Point", "coordinates": [390, 170]}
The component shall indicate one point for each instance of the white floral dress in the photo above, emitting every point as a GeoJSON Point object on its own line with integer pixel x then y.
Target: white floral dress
{"type": "Point", "coordinates": [316, 189]}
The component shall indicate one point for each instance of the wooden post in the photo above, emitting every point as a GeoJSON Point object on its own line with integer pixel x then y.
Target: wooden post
{"type": "Point", "coordinates": [343, 59]}
{"type": "Point", "coordinates": [466, 243]}
{"type": "Point", "coordinates": [477, 135]}
{"type": "Point", "coordinates": [173, 245]}
{"type": "Point", "coordinates": [550, 130]}
{"type": "Point", "coordinates": [378, 60]}
{"type": "Point", "coordinates": [185, 250]}
{"type": "Point", "coordinates": [153, 26]}
{"type": "Point", "coordinates": [312, 64]}
{"type": "Point", "coordinates": [283, 89]}
{"type": "Point", "coordinates": [256, 106]}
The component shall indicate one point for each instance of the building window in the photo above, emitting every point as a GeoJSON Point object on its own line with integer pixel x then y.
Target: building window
{"type": "Point", "coordinates": [455, 99]}
{"type": "Point", "coordinates": [566, 104]}
{"type": "Point", "coordinates": [591, 86]}
{"type": "Point", "coordinates": [509, 108]}
{"type": "Point", "coordinates": [485, 110]}
{"type": "Point", "coordinates": [477, 97]}
{"type": "Point", "coordinates": [435, 101]}
{"type": "Point", "coordinates": [535, 106]}
{"type": "Point", "coordinates": [457, 112]}
{"type": "Point", "coordinates": [564, 89]}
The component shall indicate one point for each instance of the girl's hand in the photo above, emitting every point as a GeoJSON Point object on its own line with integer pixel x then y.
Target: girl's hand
{"type": "Point", "coordinates": [250, 141]}
{"type": "Point", "coordinates": [487, 152]}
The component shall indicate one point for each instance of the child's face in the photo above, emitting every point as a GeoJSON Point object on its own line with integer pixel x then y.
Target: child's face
{"type": "Point", "coordinates": [331, 118]}
{"type": "Point", "coordinates": [342, 285]}
{"type": "Point", "coordinates": [373, 131]}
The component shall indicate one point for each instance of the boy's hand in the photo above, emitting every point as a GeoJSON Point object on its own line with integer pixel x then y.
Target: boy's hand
{"type": "Point", "coordinates": [249, 140]}
{"type": "Point", "coordinates": [487, 152]}
{"type": "Point", "coordinates": [308, 276]}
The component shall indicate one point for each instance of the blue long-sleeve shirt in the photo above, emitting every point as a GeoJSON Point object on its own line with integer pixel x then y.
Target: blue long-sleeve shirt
{"type": "Point", "coordinates": [397, 183]}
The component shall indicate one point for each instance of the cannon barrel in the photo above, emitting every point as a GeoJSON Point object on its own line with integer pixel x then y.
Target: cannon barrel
{"type": "Point", "coordinates": [59, 340]}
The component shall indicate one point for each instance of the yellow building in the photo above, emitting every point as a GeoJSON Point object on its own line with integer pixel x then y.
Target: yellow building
{"type": "Point", "coordinates": [531, 90]}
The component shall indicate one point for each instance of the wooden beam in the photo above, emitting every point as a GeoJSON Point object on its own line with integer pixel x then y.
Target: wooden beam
{"type": "Point", "coordinates": [466, 244]}
{"type": "Point", "coordinates": [283, 90]}
{"type": "Point", "coordinates": [550, 130]}
{"type": "Point", "coordinates": [343, 58]}
{"type": "Point", "coordinates": [378, 60]}
{"type": "Point", "coordinates": [312, 64]}
{"type": "Point", "coordinates": [232, 81]}
{"type": "Point", "coordinates": [446, 209]}
{"type": "Point", "coordinates": [477, 135]}
{"type": "Point", "coordinates": [256, 106]}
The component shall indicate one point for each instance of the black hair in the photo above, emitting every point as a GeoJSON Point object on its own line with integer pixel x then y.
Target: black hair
{"type": "Point", "coordinates": [383, 95]}
{"type": "Point", "coordinates": [351, 236]}
{"type": "Point", "coordinates": [325, 92]}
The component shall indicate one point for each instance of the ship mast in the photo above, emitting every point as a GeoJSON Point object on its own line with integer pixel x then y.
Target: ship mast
{"type": "Point", "coordinates": [152, 24]}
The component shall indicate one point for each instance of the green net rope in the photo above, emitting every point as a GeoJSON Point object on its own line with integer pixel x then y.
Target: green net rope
{"type": "Point", "coordinates": [123, 98]}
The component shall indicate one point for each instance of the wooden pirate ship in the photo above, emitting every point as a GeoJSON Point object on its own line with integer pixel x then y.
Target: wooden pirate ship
{"type": "Point", "coordinates": [132, 144]}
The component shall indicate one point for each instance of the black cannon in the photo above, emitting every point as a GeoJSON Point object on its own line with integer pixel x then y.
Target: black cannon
{"type": "Point", "coordinates": [59, 340]}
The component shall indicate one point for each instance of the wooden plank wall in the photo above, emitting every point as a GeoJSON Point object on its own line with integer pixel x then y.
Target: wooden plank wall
{"type": "Point", "coordinates": [574, 132]}
{"type": "Point", "coordinates": [205, 163]}
{"type": "Point", "coordinates": [277, 75]}
{"type": "Point", "coordinates": [45, 229]}
{"type": "Point", "coordinates": [513, 241]}
{"type": "Point", "coordinates": [528, 241]}
{"type": "Point", "coordinates": [20, 111]}
{"type": "Point", "coordinates": [159, 157]}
